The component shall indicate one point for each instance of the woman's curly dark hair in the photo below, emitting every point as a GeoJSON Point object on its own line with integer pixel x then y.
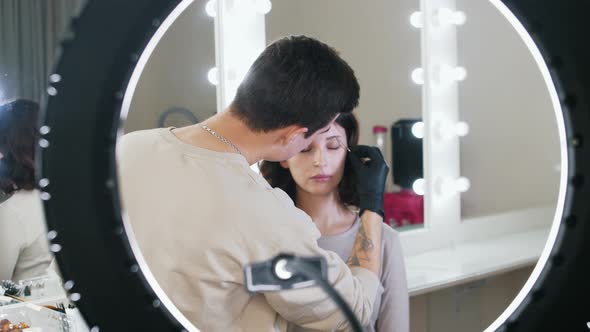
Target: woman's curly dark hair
{"type": "Point", "coordinates": [280, 177]}
{"type": "Point", "coordinates": [18, 134]}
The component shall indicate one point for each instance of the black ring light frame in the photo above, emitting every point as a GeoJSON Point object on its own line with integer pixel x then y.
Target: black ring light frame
{"type": "Point", "coordinates": [79, 184]}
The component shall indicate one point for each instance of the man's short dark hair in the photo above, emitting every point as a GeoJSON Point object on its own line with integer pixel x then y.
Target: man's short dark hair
{"type": "Point", "coordinates": [296, 80]}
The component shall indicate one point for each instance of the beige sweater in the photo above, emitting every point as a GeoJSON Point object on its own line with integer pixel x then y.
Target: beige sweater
{"type": "Point", "coordinates": [199, 216]}
{"type": "Point", "coordinates": [24, 248]}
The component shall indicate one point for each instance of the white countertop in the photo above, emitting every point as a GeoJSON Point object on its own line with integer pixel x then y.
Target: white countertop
{"type": "Point", "coordinates": [446, 267]}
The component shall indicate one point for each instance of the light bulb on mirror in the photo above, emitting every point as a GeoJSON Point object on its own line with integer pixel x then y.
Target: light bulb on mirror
{"type": "Point", "coordinates": [459, 18]}
{"type": "Point", "coordinates": [459, 74]}
{"type": "Point", "coordinates": [446, 74]}
{"type": "Point", "coordinates": [461, 128]}
{"type": "Point", "coordinates": [446, 129]}
{"type": "Point", "coordinates": [462, 184]}
{"type": "Point", "coordinates": [445, 16]}
{"type": "Point", "coordinates": [213, 76]}
{"type": "Point", "coordinates": [451, 186]}
{"type": "Point", "coordinates": [417, 20]}
{"type": "Point", "coordinates": [263, 6]}
{"type": "Point", "coordinates": [211, 8]}
{"type": "Point", "coordinates": [418, 129]}
{"type": "Point", "coordinates": [418, 187]}
{"type": "Point", "coordinates": [418, 76]}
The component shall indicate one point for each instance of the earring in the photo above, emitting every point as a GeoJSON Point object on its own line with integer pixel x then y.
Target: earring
{"type": "Point", "coordinates": [316, 163]}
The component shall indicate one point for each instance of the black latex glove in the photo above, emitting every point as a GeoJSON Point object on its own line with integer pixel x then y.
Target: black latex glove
{"type": "Point", "coordinates": [370, 172]}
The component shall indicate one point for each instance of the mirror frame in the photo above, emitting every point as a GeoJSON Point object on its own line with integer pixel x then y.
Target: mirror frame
{"type": "Point", "coordinates": [77, 163]}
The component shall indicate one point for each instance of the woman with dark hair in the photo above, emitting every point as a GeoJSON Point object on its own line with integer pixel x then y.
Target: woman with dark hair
{"type": "Point", "coordinates": [320, 182]}
{"type": "Point", "coordinates": [24, 249]}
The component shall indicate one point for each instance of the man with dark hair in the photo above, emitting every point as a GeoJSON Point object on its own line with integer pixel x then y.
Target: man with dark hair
{"type": "Point", "coordinates": [200, 214]}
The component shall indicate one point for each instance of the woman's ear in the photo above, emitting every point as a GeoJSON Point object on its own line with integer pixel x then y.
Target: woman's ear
{"type": "Point", "coordinates": [284, 164]}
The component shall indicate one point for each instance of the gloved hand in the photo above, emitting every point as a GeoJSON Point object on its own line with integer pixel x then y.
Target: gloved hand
{"type": "Point", "coordinates": [370, 171]}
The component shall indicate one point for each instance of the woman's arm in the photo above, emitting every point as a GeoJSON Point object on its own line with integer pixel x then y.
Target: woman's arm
{"type": "Point", "coordinates": [370, 171]}
{"type": "Point", "coordinates": [366, 251]}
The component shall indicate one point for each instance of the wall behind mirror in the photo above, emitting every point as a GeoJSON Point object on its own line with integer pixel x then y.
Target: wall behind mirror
{"type": "Point", "coordinates": [512, 152]}
{"type": "Point", "coordinates": [176, 75]}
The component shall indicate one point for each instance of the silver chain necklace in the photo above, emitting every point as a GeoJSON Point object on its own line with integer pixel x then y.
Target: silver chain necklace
{"type": "Point", "coordinates": [221, 138]}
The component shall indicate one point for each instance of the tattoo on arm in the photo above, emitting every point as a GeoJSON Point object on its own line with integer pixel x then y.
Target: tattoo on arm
{"type": "Point", "coordinates": [363, 246]}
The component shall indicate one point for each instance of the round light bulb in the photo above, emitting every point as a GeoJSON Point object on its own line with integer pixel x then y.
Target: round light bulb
{"type": "Point", "coordinates": [55, 248]}
{"type": "Point", "coordinates": [462, 184]}
{"type": "Point", "coordinates": [461, 128]}
{"type": "Point", "coordinates": [446, 16]}
{"type": "Point", "coordinates": [213, 76]}
{"type": "Point", "coordinates": [54, 78]}
{"type": "Point", "coordinates": [263, 6]}
{"type": "Point", "coordinates": [418, 76]}
{"type": "Point", "coordinates": [459, 74]}
{"type": "Point", "coordinates": [450, 186]}
{"type": "Point", "coordinates": [417, 20]}
{"type": "Point", "coordinates": [447, 187]}
{"type": "Point", "coordinates": [446, 74]}
{"type": "Point", "coordinates": [445, 130]}
{"type": "Point", "coordinates": [459, 18]}
{"type": "Point", "coordinates": [418, 187]}
{"type": "Point", "coordinates": [418, 129]}
{"type": "Point", "coordinates": [443, 16]}
{"type": "Point", "coordinates": [211, 8]}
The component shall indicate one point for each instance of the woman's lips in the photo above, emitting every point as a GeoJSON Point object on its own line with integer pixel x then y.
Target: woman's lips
{"type": "Point", "coordinates": [321, 178]}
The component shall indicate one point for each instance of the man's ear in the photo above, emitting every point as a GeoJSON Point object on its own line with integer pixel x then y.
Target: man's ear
{"type": "Point", "coordinates": [292, 132]}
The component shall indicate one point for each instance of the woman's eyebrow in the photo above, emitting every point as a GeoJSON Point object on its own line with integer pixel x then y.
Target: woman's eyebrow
{"type": "Point", "coordinates": [337, 137]}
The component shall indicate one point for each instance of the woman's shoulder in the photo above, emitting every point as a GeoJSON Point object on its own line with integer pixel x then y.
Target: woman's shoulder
{"type": "Point", "coordinates": [22, 202]}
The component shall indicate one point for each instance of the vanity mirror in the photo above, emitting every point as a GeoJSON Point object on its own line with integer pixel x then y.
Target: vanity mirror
{"type": "Point", "coordinates": [88, 190]}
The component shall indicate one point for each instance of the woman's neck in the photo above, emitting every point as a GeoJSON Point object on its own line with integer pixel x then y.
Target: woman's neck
{"type": "Point", "coordinates": [327, 212]}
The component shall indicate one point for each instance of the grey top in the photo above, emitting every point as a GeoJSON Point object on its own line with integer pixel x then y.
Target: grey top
{"type": "Point", "coordinates": [391, 309]}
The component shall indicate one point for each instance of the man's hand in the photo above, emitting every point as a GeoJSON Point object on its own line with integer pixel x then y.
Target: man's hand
{"type": "Point", "coordinates": [370, 170]}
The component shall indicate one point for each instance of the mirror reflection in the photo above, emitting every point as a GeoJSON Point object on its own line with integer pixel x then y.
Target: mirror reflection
{"type": "Point", "coordinates": [295, 95]}
{"type": "Point", "coordinates": [31, 293]}
{"type": "Point", "coordinates": [329, 191]}
{"type": "Point", "coordinates": [438, 234]}
{"type": "Point", "coordinates": [456, 199]}
{"type": "Point", "coordinates": [451, 237]}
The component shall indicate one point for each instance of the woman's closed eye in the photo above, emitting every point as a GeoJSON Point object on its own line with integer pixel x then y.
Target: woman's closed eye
{"type": "Point", "coordinates": [334, 145]}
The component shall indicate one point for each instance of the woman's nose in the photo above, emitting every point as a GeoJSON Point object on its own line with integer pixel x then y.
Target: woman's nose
{"type": "Point", "coordinates": [318, 158]}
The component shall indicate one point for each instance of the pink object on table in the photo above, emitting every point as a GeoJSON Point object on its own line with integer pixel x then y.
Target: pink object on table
{"type": "Point", "coordinates": [403, 208]}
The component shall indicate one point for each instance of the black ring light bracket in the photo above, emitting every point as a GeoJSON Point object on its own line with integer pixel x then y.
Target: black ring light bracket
{"type": "Point", "coordinates": [78, 177]}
